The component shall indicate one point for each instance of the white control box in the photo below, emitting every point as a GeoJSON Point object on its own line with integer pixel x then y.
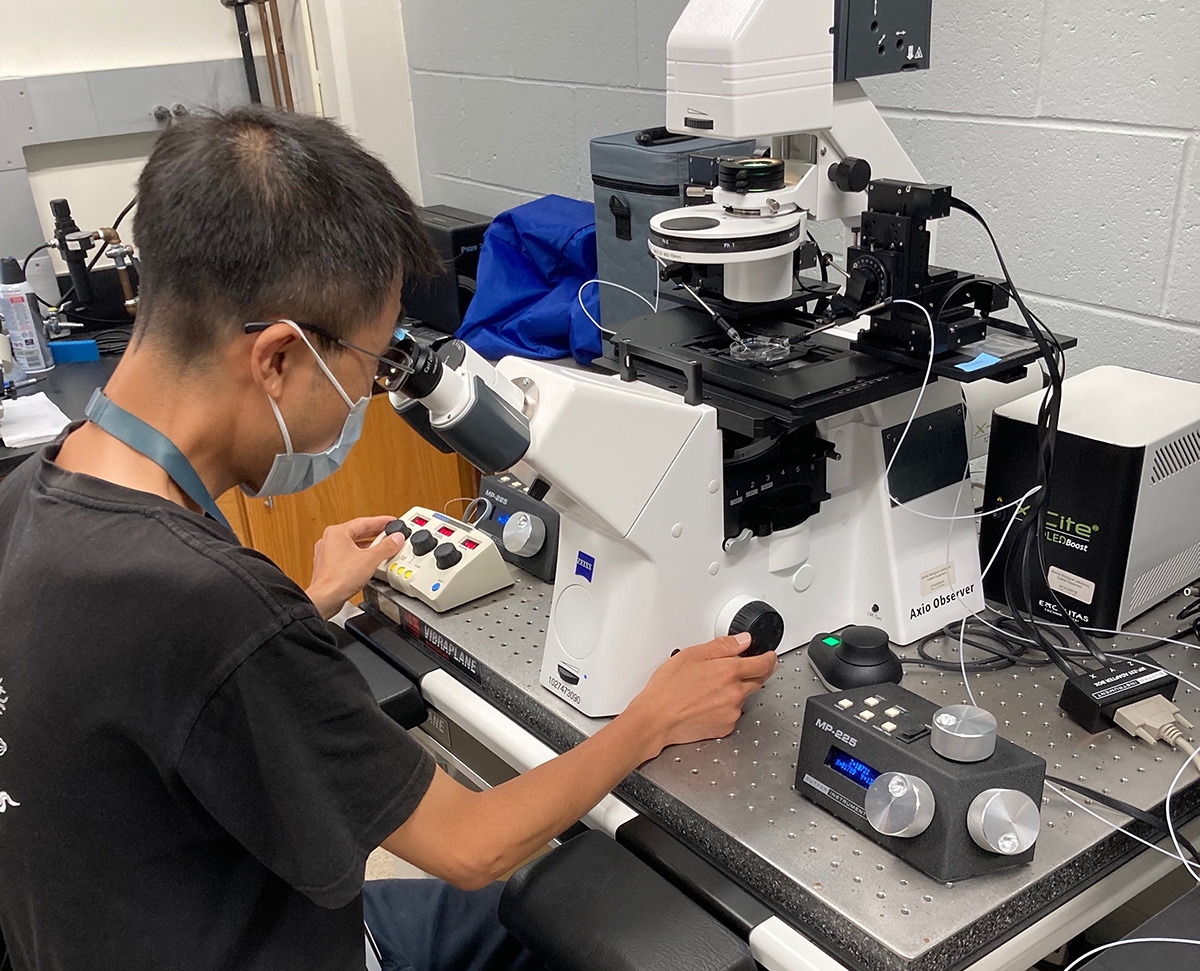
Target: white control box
{"type": "Point", "coordinates": [444, 562]}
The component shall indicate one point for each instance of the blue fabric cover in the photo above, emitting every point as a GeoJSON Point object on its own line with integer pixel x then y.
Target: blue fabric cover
{"type": "Point", "coordinates": [533, 261]}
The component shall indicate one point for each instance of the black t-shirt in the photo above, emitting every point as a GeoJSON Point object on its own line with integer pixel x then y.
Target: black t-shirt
{"type": "Point", "coordinates": [191, 774]}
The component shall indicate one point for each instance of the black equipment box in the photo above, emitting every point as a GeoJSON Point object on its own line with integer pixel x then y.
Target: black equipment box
{"type": "Point", "coordinates": [508, 495]}
{"type": "Point", "coordinates": [850, 738]}
{"type": "Point", "coordinates": [872, 38]}
{"type": "Point", "coordinates": [442, 302]}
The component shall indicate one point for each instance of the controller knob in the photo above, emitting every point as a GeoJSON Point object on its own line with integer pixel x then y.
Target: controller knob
{"type": "Point", "coordinates": [900, 804]}
{"type": "Point", "coordinates": [422, 542]}
{"type": "Point", "coordinates": [963, 733]}
{"type": "Point", "coordinates": [1004, 821]}
{"type": "Point", "coordinates": [524, 534]}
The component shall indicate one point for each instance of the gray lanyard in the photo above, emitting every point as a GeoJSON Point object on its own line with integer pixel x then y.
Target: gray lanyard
{"type": "Point", "coordinates": [153, 444]}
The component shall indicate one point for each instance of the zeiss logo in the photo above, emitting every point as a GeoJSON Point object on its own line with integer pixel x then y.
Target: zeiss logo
{"type": "Point", "coordinates": [584, 565]}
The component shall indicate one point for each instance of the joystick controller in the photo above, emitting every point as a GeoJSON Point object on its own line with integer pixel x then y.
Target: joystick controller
{"type": "Point", "coordinates": [854, 658]}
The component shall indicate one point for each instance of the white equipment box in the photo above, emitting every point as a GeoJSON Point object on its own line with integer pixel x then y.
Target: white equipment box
{"type": "Point", "coordinates": [444, 563]}
{"type": "Point", "coordinates": [1122, 531]}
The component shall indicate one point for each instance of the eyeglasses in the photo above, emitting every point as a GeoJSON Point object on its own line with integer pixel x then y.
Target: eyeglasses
{"type": "Point", "coordinates": [394, 361]}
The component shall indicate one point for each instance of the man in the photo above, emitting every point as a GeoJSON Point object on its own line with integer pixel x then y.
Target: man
{"type": "Point", "coordinates": [192, 775]}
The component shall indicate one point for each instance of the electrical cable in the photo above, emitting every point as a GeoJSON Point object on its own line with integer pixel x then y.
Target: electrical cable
{"type": "Point", "coordinates": [1110, 824]}
{"type": "Point", "coordinates": [1193, 869]}
{"type": "Point", "coordinates": [32, 253]}
{"type": "Point", "coordinates": [608, 283]}
{"type": "Point", "coordinates": [1123, 942]}
{"type": "Point", "coordinates": [1027, 539]}
{"type": "Point", "coordinates": [1159, 825]}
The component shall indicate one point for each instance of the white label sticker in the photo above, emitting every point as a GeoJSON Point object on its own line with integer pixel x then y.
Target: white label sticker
{"type": "Point", "coordinates": [1061, 581]}
{"type": "Point", "coordinates": [939, 578]}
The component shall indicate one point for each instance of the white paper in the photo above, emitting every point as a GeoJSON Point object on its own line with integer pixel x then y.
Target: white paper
{"type": "Point", "coordinates": [31, 420]}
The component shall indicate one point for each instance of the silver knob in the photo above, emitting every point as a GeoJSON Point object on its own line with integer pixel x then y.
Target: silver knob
{"type": "Point", "coordinates": [1004, 821]}
{"type": "Point", "coordinates": [898, 804]}
{"type": "Point", "coordinates": [524, 534]}
{"type": "Point", "coordinates": [963, 733]}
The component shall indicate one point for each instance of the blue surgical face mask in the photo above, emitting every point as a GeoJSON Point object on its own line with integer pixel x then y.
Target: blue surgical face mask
{"type": "Point", "coordinates": [297, 471]}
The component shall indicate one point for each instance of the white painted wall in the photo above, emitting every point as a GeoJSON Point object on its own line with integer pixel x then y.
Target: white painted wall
{"type": "Point", "coordinates": [52, 37]}
{"type": "Point", "coordinates": [67, 36]}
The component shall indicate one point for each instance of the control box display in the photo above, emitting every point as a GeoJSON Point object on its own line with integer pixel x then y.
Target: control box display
{"type": "Point", "coordinates": [870, 757]}
{"type": "Point", "coordinates": [444, 562]}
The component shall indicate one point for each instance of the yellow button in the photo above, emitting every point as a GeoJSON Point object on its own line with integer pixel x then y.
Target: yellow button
{"type": "Point", "coordinates": [893, 713]}
{"type": "Point", "coordinates": [408, 574]}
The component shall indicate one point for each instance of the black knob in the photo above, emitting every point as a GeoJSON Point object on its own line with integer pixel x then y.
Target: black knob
{"type": "Point", "coordinates": [864, 645]}
{"type": "Point", "coordinates": [764, 625]}
{"type": "Point", "coordinates": [397, 526]}
{"type": "Point", "coordinates": [446, 556]}
{"type": "Point", "coordinates": [851, 174]}
{"type": "Point", "coordinates": [422, 542]}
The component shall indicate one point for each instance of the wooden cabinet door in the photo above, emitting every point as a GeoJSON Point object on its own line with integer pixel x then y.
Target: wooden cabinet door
{"type": "Point", "coordinates": [390, 470]}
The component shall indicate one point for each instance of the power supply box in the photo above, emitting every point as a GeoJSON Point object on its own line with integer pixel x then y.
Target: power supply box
{"type": "Point", "coordinates": [1122, 522]}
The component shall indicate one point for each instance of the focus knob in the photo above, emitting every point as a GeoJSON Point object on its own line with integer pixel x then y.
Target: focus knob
{"type": "Point", "coordinates": [524, 534]}
{"type": "Point", "coordinates": [1004, 821]}
{"type": "Point", "coordinates": [422, 542]}
{"type": "Point", "coordinates": [851, 174]}
{"type": "Point", "coordinates": [899, 804]}
{"type": "Point", "coordinates": [745, 615]}
{"type": "Point", "coordinates": [397, 526]}
{"type": "Point", "coordinates": [963, 733]}
{"type": "Point", "coordinates": [446, 555]}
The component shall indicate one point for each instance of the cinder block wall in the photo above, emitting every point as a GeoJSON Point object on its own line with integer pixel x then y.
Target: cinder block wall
{"type": "Point", "coordinates": [1073, 126]}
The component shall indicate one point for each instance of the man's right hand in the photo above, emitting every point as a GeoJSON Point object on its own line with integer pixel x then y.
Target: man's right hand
{"type": "Point", "coordinates": [471, 838]}
{"type": "Point", "coordinates": [698, 694]}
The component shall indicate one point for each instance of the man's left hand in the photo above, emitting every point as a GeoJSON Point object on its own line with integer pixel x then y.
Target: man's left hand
{"type": "Point", "coordinates": [344, 560]}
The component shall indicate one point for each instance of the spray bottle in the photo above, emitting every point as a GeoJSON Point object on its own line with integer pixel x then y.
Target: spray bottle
{"type": "Point", "coordinates": [23, 320]}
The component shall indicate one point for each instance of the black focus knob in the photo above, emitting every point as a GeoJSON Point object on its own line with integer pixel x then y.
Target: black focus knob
{"type": "Point", "coordinates": [422, 542]}
{"type": "Point", "coordinates": [764, 625]}
{"type": "Point", "coordinates": [397, 526]}
{"type": "Point", "coordinates": [446, 556]}
{"type": "Point", "coordinates": [851, 174]}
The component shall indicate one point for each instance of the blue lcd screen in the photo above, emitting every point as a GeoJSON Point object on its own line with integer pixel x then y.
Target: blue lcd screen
{"type": "Point", "coordinates": [847, 765]}
{"type": "Point", "coordinates": [503, 518]}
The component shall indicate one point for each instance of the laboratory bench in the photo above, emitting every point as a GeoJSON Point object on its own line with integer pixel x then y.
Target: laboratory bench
{"type": "Point", "coordinates": [69, 386]}
{"type": "Point", "coordinates": [722, 819]}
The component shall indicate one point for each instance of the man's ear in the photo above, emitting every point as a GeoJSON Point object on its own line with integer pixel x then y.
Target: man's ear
{"type": "Point", "coordinates": [269, 356]}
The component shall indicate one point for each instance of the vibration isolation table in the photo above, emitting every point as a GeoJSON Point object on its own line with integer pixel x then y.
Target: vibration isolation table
{"type": "Point", "coordinates": [814, 894]}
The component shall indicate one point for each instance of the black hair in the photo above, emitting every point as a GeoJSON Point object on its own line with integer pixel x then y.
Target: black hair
{"type": "Point", "coordinates": [256, 214]}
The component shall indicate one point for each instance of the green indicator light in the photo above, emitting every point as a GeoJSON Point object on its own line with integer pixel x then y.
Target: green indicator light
{"type": "Point", "coordinates": [831, 641]}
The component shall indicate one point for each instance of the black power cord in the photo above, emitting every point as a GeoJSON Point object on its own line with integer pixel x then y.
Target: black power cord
{"type": "Point", "coordinates": [32, 253]}
{"type": "Point", "coordinates": [1027, 537]}
{"type": "Point", "coordinates": [1154, 822]}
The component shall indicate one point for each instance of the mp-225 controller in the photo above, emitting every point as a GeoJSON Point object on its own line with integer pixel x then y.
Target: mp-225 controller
{"type": "Point", "coordinates": [934, 786]}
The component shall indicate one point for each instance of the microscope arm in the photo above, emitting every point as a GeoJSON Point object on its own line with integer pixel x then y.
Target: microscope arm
{"type": "Point", "coordinates": [571, 427]}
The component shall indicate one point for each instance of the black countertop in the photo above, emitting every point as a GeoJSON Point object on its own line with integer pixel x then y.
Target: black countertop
{"type": "Point", "coordinates": [69, 386]}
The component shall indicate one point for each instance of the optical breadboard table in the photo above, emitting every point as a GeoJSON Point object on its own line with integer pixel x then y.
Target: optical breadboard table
{"type": "Point", "coordinates": [731, 800]}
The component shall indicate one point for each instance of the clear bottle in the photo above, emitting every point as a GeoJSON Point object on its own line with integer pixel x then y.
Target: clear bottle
{"type": "Point", "coordinates": [23, 320]}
